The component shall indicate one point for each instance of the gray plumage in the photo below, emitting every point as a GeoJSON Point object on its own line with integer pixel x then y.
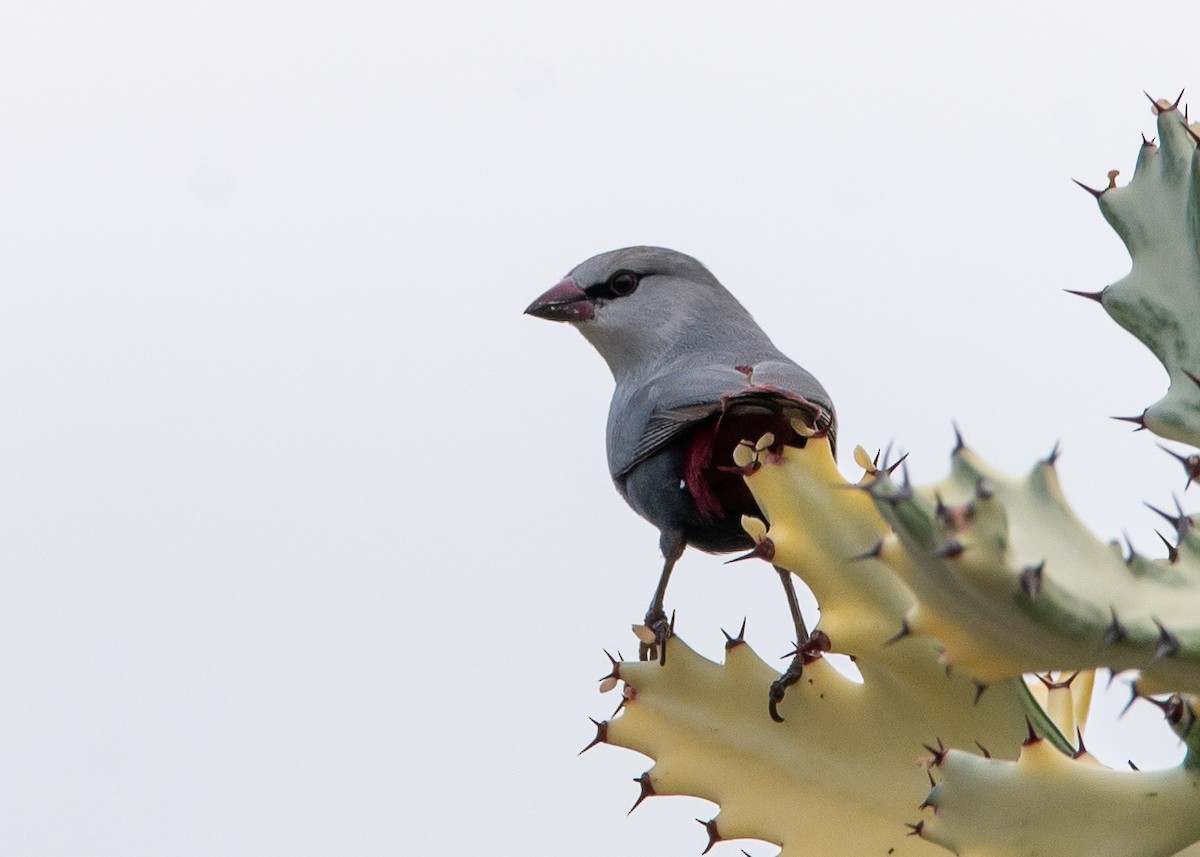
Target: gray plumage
{"type": "Point", "coordinates": [694, 374]}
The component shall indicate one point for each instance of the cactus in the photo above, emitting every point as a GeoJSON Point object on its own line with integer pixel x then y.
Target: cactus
{"type": "Point", "coordinates": [1157, 215]}
{"type": "Point", "coordinates": [949, 597]}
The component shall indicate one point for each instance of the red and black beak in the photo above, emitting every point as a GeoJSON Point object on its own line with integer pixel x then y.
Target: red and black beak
{"type": "Point", "coordinates": [564, 302]}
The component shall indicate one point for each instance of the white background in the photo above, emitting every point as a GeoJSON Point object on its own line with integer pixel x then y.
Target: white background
{"type": "Point", "coordinates": [307, 544]}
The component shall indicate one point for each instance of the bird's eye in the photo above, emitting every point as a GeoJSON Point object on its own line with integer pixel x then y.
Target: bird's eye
{"type": "Point", "coordinates": [622, 283]}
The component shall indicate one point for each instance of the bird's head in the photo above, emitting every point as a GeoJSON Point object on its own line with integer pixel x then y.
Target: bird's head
{"type": "Point", "coordinates": [639, 305]}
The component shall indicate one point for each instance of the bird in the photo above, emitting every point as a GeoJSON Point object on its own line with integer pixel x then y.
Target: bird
{"type": "Point", "coordinates": [694, 375]}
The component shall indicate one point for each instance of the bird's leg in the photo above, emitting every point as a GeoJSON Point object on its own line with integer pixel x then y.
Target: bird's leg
{"type": "Point", "coordinates": [656, 621]}
{"type": "Point", "coordinates": [796, 668]}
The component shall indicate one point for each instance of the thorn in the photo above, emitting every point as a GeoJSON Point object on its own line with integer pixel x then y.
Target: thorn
{"type": "Point", "coordinates": [1053, 456]}
{"type": "Point", "coordinates": [1172, 550]}
{"type": "Point", "coordinates": [710, 827]}
{"type": "Point", "coordinates": [1149, 142]}
{"type": "Point", "coordinates": [1115, 632]}
{"type": "Point", "coordinates": [1134, 695]}
{"type": "Point", "coordinates": [730, 642]}
{"type": "Point", "coordinates": [1179, 523]}
{"type": "Point", "coordinates": [1056, 685]}
{"type": "Point", "coordinates": [1158, 107]}
{"type": "Point", "coordinates": [915, 829]}
{"type": "Point", "coordinates": [951, 550]}
{"type": "Point", "coordinates": [1139, 421]}
{"type": "Point", "coordinates": [983, 489]}
{"type": "Point", "coordinates": [892, 469]}
{"type": "Point", "coordinates": [1173, 708]}
{"type": "Point", "coordinates": [1129, 544]}
{"type": "Point", "coordinates": [1168, 644]}
{"type": "Point", "coordinates": [613, 676]}
{"type": "Point", "coordinates": [980, 687]}
{"type": "Point", "coordinates": [932, 781]}
{"type": "Point", "coordinates": [959, 446]}
{"type": "Point", "coordinates": [1132, 765]}
{"type": "Point", "coordinates": [873, 553]}
{"type": "Point", "coordinates": [647, 790]}
{"type": "Point", "coordinates": [1191, 464]}
{"type": "Point", "coordinates": [1079, 750]}
{"type": "Point", "coordinates": [1186, 127]}
{"type": "Point", "coordinates": [940, 509]}
{"type": "Point", "coordinates": [1194, 378]}
{"type": "Point", "coordinates": [1184, 519]}
{"type": "Point", "coordinates": [1091, 190]}
{"type": "Point", "coordinates": [815, 647]}
{"type": "Point", "coordinates": [983, 750]}
{"type": "Point", "coordinates": [939, 754]}
{"type": "Point", "coordinates": [1031, 580]}
{"type": "Point", "coordinates": [1032, 738]}
{"type": "Point", "coordinates": [904, 631]}
{"type": "Point", "coordinates": [601, 736]}
{"type": "Point", "coordinates": [763, 550]}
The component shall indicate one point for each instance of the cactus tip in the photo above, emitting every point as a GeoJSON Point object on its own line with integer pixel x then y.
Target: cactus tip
{"type": "Point", "coordinates": [1172, 550]}
{"type": "Point", "coordinates": [1031, 580]}
{"type": "Point", "coordinates": [1098, 297]}
{"type": "Point", "coordinates": [1091, 190]}
{"type": "Point", "coordinates": [601, 736]}
{"type": "Point", "coordinates": [1080, 749]}
{"type": "Point", "coordinates": [905, 630]}
{"type": "Point", "coordinates": [647, 790]}
{"type": "Point", "coordinates": [1139, 421]}
{"type": "Point", "coordinates": [959, 446]}
{"type": "Point", "coordinates": [1167, 645]}
{"type": "Point", "coordinates": [892, 469]}
{"type": "Point", "coordinates": [1161, 105]}
{"type": "Point", "coordinates": [731, 641]}
{"type": "Point", "coordinates": [951, 550]}
{"type": "Point", "coordinates": [763, 550]}
{"type": "Point", "coordinates": [980, 687]}
{"type": "Point", "coordinates": [938, 753]}
{"type": "Point", "coordinates": [714, 836]}
{"type": "Point", "coordinates": [1191, 464]}
{"type": "Point", "coordinates": [1115, 632]}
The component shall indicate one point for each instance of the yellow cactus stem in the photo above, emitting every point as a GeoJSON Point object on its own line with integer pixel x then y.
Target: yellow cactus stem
{"type": "Point", "coordinates": [1047, 804]}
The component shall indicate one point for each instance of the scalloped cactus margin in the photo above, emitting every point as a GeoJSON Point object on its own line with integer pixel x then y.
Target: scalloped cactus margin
{"type": "Point", "coordinates": [1157, 216]}
{"type": "Point", "coordinates": [945, 596]}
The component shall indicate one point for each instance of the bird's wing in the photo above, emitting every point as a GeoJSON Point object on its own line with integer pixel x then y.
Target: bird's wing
{"type": "Point", "coordinates": [649, 418]}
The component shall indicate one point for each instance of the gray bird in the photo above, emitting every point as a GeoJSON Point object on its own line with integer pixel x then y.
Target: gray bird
{"type": "Point", "coordinates": [694, 376]}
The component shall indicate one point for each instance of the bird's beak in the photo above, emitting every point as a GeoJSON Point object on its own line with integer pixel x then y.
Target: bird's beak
{"type": "Point", "coordinates": [564, 302]}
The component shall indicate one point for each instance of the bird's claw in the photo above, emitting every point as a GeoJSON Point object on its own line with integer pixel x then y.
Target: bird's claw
{"type": "Point", "coordinates": [780, 685]}
{"type": "Point", "coordinates": [654, 635]}
{"type": "Point", "coordinates": [812, 649]}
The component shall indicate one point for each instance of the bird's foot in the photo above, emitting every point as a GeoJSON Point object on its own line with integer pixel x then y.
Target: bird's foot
{"type": "Point", "coordinates": [653, 636]}
{"type": "Point", "coordinates": [805, 653]}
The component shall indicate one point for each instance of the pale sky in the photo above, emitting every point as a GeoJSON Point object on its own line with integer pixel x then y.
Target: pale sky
{"type": "Point", "coordinates": [308, 542]}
